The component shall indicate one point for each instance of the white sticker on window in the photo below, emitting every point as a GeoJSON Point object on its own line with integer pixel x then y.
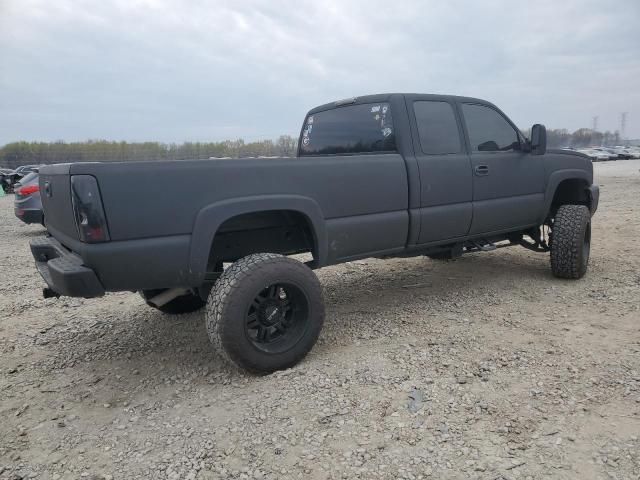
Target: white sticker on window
{"type": "Point", "coordinates": [375, 109]}
{"type": "Point", "coordinates": [305, 141]}
{"type": "Point", "coordinates": [386, 131]}
{"type": "Point", "coordinates": [310, 119]}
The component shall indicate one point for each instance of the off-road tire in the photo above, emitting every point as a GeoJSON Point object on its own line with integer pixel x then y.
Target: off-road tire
{"type": "Point", "coordinates": [571, 241]}
{"type": "Point", "coordinates": [232, 297]}
{"type": "Point", "coordinates": [183, 304]}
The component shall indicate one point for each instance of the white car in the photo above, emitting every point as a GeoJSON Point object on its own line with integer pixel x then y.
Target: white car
{"type": "Point", "coordinates": [596, 155]}
{"type": "Point", "coordinates": [607, 151]}
{"type": "Point", "coordinates": [634, 152]}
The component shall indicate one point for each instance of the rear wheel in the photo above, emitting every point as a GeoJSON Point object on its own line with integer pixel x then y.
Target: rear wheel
{"type": "Point", "coordinates": [265, 312]}
{"type": "Point", "coordinates": [183, 304]}
{"type": "Point", "coordinates": [571, 241]}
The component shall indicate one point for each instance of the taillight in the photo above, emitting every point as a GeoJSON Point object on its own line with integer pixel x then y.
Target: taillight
{"type": "Point", "coordinates": [28, 190]}
{"type": "Point", "coordinates": [87, 209]}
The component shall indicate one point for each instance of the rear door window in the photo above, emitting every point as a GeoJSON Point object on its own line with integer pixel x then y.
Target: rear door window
{"type": "Point", "coordinates": [366, 128]}
{"type": "Point", "coordinates": [437, 127]}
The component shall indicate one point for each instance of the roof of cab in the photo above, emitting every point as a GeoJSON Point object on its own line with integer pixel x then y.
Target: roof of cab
{"type": "Point", "coordinates": [385, 97]}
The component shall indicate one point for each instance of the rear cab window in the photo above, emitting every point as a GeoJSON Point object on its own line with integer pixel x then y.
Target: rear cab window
{"type": "Point", "coordinates": [352, 129]}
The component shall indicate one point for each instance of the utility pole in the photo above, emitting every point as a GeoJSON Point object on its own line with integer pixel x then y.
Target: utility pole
{"type": "Point", "coordinates": [594, 129]}
{"type": "Point", "coordinates": [623, 125]}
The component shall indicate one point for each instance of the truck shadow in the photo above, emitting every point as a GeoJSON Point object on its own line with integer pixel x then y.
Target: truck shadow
{"type": "Point", "coordinates": [435, 277]}
{"type": "Point", "coordinates": [384, 295]}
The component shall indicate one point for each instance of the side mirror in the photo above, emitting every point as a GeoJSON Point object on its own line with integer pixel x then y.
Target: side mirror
{"type": "Point", "coordinates": [538, 139]}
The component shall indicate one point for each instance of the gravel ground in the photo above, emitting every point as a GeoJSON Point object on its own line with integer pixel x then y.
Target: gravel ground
{"type": "Point", "coordinates": [485, 367]}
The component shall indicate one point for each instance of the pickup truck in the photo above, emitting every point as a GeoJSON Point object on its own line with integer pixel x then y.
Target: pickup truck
{"type": "Point", "coordinates": [375, 176]}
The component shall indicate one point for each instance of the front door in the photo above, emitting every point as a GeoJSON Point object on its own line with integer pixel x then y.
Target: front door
{"type": "Point", "coordinates": [508, 184]}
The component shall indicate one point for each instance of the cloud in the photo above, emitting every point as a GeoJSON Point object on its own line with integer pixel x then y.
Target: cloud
{"type": "Point", "coordinates": [174, 70]}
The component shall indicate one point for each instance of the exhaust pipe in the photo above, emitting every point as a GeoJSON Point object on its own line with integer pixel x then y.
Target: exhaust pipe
{"type": "Point", "coordinates": [166, 296]}
{"type": "Point", "coordinates": [50, 293]}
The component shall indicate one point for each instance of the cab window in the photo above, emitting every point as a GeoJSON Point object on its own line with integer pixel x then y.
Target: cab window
{"type": "Point", "coordinates": [488, 130]}
{"type": "Point", "coordinates": [437, 127]}
{"type": "Point", "coordinates": [353, 129]}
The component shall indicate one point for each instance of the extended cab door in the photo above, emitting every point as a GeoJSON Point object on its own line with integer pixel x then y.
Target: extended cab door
{"type": "Point", "coordinates": [444, 168]}
{"type": "Point", "coordinates": [508, 184]}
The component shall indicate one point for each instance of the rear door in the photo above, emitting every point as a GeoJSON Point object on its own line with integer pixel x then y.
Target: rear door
{"type": "Point", "coordinates": [444, 167]}
{"type": "Point", "coordinates": [349, 163]}
{"type": "Point", "coordinates": [508, 184]}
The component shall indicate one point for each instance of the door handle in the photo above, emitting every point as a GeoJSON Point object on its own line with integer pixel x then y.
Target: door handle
{"type": "Point", "coordinates": [481, 170]}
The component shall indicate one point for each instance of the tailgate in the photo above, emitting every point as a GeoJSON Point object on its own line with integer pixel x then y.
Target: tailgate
{"type": "Point", "coordinates": [55, 192]}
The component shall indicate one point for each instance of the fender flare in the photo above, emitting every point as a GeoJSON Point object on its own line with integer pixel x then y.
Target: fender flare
{"type": "Point", "coordinates": [210, 217]}
{"type": "Point", "coordinates": [554, 181]}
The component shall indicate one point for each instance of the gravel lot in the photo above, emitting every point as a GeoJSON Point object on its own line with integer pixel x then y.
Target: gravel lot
{"type": "Point", "coordinates": [486, 367]}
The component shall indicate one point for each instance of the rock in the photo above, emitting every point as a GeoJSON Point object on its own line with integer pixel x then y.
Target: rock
{"type": "Point", "coordinates": [416, 399]}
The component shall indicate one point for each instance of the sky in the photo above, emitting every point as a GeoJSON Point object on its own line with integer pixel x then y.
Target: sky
{"type": "Point", "coordinates": [196, 70]}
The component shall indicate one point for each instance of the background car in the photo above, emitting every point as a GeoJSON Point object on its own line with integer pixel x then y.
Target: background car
{"type": "Point", "coordinates": [628, 152]}
{"type": "Point", "coordinates": [12, 177]}
{"type": "Point", "coordinates": [606, 151]}
{"type": "Point", "coordinates": [24, 169]}
{"type": "Point", "coordinates": [596, 155]}
{"type": "Point", "coordinates": [27, 203]}
{"type": "Point", "coordinates": [9, 179]}
{"type": "Point", "coordinates": [5, 179]}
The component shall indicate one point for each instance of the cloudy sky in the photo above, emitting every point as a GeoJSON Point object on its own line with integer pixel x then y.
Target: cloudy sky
{"type": "Point", "coordinates": [176, 70]}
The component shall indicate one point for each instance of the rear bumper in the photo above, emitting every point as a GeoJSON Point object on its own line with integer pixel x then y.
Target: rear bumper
{"type": "Point", "coordinates": [28, 215]}
{"type": "Point", "coordinates": [63, 271]}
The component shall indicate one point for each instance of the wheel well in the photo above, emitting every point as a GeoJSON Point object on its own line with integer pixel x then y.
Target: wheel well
{"type": "Point", "coordinates": [286, 232]}
{"type": "Point", "coordinates": [571, 191]}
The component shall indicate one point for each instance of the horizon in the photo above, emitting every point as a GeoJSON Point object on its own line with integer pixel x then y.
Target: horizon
{"type": "Point", "coordinates": [89, 141]}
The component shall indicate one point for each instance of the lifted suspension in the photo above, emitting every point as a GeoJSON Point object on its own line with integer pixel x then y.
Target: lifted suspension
{"type": "Point", "coordinates": [539, 243]}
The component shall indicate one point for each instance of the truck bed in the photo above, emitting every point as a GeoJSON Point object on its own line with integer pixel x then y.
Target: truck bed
{"type": "Point", "coordinates": [156, 212]}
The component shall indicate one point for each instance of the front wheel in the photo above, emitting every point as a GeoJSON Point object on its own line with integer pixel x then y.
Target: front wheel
{"type": "Point", "coordinates": [265, 312]}
{"type": "Point", "coordinates": [571, 241]}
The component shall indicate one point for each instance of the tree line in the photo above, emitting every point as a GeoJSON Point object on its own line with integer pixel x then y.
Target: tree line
{"type": "Point", "coordinates": [15, 154]}
{"type": "Point", "coordinates": [583, 137]}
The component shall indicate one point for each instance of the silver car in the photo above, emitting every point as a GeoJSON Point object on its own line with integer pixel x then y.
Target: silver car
{"type": "Point", "coordinates": [27, 203]}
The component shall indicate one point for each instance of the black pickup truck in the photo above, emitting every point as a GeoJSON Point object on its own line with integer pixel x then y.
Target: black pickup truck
{"type": "Point", "coordinates": [375, 176]}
